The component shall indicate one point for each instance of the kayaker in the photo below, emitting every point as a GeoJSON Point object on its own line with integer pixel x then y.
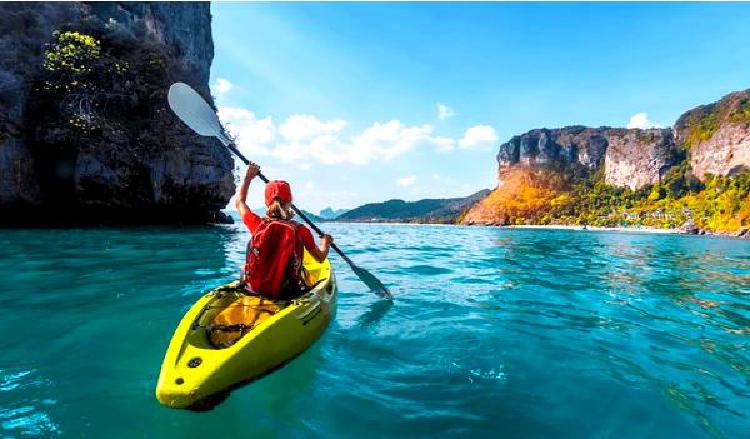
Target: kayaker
{"type": "Point", "coordinates": [274, 260]}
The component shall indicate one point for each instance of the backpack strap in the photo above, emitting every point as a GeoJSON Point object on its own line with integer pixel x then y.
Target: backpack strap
{"type": "Point", "coordinates": [243, 284]}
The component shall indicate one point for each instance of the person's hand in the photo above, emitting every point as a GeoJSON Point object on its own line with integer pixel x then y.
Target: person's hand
{"type": "Point", "coordinates": [327, 240]}
{"type": "Point", "coordinates": [252, 170]}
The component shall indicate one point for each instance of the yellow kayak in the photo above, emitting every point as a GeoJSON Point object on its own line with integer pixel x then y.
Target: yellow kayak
{"type": "Point", "coordinates": [194, 368]}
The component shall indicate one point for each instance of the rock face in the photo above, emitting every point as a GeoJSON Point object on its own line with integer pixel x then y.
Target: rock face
{"type": "Point", "coordinates": [717, 135]}
{"type": "Point", "coordinates": [631, 157]}
{"type": "Point", "coordinates": [570, 147]}
{"type": "Point", "coordinates": [637, 158]}
{"type": "Point", "coordinates": [24, 29]}
{"type": "Point", "coordinates": [139, 163]}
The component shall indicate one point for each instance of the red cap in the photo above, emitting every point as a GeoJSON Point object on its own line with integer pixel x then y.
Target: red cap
{"type": "Point", "coordinates": [278, 189]}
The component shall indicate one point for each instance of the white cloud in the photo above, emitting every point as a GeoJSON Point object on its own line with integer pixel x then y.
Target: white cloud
{"type": "Point", "coordinates": [254, 136]}
{"type": "Point", "coordinates": [479, 136]}
{"type": "Point", "coordinates": [303, 127]}
{"type": "Point", "coordinates": [222, 86]}
{"type": "Point", "coordinates": [307, 138]}
{"type": "Point", "coordinates": [387, 141]}
{"type": "Point", "coordinates": [444, 144]}
{"type": "Point", "coordinates": [444, 111]}
{"type": "Point", "coordinates": [641, 120]}
{"type": "Point", "coordinates": [304, 139]}
{"type": "Point", "coordinates": [406, 181]}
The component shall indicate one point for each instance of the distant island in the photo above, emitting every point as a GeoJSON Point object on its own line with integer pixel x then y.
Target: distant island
{"type": "Point", "coordinates": [329, 213]}
{"type": "Point", "coordinates": [428, 211]}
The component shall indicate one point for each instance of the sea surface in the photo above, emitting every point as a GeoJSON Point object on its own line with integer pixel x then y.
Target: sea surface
{"type": "Point", "coordinates": [493, 333]}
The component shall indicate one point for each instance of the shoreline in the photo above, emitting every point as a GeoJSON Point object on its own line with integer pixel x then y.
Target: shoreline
{"type": "Point", "coordinates": [650, 230]}
{"type": "Point", "coordinates": [642, 230]}
{"type": "Point", "coordinates": [531, 226]}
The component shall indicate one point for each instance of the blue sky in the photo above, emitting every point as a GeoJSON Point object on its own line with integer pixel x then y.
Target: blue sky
{"type": "Point", "coordinates": [356, 103]}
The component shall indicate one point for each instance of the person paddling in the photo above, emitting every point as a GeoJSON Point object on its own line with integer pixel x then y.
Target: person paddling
{"type": "Point", "coordinates": [273, 267]}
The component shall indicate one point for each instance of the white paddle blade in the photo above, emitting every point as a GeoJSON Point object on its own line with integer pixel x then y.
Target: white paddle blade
{"type": "Point", "coordinates": [192, 109]}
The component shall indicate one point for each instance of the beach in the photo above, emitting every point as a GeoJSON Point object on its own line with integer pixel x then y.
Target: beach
{"type": "Point", "coordinates": [597, 228]}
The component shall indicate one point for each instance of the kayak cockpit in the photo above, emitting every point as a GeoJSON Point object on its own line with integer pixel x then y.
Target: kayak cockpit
{"type": "Point", "coordinates": [233, 312]}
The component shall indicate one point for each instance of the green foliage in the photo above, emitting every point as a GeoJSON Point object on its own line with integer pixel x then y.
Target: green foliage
{"type": "Point", "coordinates": [73, 52]}
{"type": "Point", "coordinates": [591, 201]}
{"type": "Point", "coordinates": [679, 181]}
{"type": "Point", "coordinates": [721, 203]}
{"type": "Point", "coordinates": [704, 129]}
{"type": "Point", "coordinates": [71, 65]}
{"type": "Point", "coordinates": [734, 109]}
{"type": "Point", "coordinates": [90, 81]}
{"type": "Point", "coordinates": [742, 113]}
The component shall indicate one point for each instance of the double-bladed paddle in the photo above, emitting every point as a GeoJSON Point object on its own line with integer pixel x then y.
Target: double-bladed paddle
{"type": "Point", "coordinates": [192, 109]}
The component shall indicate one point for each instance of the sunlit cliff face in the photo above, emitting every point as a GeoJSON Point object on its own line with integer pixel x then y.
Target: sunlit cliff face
{"type": "Point", "coordinates": [523, 192]}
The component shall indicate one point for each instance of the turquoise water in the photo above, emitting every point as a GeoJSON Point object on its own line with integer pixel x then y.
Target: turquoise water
{"type": "Point", "coordinates": [502, 333]}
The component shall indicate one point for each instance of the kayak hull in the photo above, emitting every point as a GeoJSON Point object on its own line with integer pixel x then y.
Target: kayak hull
{"type": "Point", "coordinates": [193, 370]}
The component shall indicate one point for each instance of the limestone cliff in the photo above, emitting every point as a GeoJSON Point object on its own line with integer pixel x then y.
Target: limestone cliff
{"type": "Point", "coordinates": [632, 157]}
{"type": "Point", "coordinates": [574, 148]}
{"type": "Point", "coordinates": [637, 158]}
{"type": "Point", "coordinates": [697, 171]}
{"type": "Point", "coordinates": [717, 135]}
{"type": "Point", "coordinates": [96, 142]}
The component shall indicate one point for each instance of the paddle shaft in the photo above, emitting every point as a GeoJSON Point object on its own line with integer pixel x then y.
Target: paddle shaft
{"type": "Point", "coordinates": [294, 208]}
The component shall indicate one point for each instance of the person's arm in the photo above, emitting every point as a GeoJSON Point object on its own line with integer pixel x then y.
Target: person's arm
{"type": "Point", "coordinates": [326, 241]}
{"type": "Point", "coordinates": [241, 201]}
{"type": "Point", "coordinates": [320, 254]}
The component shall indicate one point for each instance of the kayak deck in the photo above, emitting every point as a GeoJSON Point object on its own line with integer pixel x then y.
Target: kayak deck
{"type": "Point", "coordinates": [194, 368]}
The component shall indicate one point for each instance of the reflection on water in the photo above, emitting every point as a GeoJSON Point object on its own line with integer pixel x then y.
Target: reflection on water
{"type": "Point", "coordinates": [375, 312]}
{"type": "Point", "coordinates": [523, 333]}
